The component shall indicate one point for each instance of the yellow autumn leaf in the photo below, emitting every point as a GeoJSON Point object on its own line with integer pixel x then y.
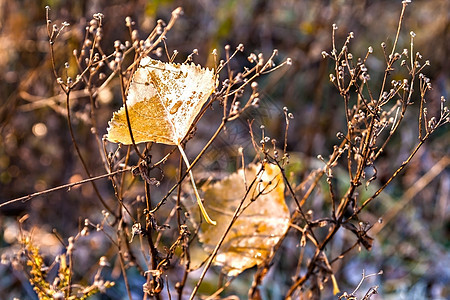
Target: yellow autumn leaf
{"type": "Point", "coordinates": [258, 229]}
{"type": "Point", "coordinates": [162, 102]}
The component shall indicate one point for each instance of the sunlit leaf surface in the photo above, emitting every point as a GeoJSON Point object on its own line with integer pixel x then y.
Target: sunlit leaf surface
{"type": "Point", "coordinates": [163, 101]}
{"type": "Point", "coordinates": [258, 229]}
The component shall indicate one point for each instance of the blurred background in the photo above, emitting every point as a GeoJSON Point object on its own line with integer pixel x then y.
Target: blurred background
{"type": "Point", "coordinates": [36, 151]}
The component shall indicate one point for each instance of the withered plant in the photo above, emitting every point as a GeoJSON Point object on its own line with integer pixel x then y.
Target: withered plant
{"type": "Point", "coordinates": [149, 225]}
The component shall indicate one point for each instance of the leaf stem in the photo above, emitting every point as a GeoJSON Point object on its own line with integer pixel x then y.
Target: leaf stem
{"type": "Point", "coordinates": [199, 200]}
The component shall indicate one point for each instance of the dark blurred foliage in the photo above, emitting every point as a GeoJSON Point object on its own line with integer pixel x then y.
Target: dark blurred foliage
{"type": "Point", "coordinates": [36, 151]}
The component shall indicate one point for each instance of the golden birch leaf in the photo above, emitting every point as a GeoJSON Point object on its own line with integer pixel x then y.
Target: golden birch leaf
{"type": "Point", "coordinates": [258, 229]}
{"type": "Point", "coordinates": [163, 101]}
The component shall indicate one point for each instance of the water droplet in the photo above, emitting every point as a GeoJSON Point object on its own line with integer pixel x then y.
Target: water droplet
{"type": "Point", "coordinates": [175, 107]}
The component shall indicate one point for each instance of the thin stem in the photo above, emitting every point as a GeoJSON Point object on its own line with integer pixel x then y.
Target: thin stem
{"type": "Point", "coordinates": [399, 28]}
{"type": "Point", "coordinates": [199, 199]}
{"type": "Point", "coordinates": [61, 187]}
{"type": "Point", "coordinates": [219, 244]}
{"type": "Point", "coordinates": [122, 89]}
{"type": "Point", "coordinates": [403, 165]}
{"type": "Point", "coordinates": [122, 267]}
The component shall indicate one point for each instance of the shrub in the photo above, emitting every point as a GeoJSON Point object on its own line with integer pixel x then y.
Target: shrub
{"type": "Point", "coordinates": [139, 233]}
